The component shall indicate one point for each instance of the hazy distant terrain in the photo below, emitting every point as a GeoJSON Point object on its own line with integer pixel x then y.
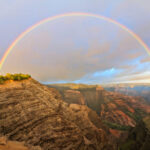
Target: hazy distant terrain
{"type": "Point", "coordinates": [142, 90]}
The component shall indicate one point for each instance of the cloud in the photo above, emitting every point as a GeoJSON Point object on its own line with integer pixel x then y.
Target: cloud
{"type": "Point", "coordinates": [82, 49]}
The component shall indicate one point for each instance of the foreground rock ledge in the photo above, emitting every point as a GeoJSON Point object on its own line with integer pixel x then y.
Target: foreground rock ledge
{"type": "Point", "coordinates": [5, 144]}
{"type": "Point", "coordinates": [35, 114]}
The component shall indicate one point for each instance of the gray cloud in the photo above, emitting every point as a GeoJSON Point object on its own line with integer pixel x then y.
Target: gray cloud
{"type": "Point", "coordinates": [71, 51]}
{"type": "Point", "coordinates": [73, 48]}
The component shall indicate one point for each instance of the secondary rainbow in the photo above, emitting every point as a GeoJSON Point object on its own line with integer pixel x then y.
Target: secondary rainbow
{"type": "Point", "coordinates": [23, 34]}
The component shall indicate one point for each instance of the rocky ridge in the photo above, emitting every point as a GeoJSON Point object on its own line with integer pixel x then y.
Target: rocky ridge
{"type": "Point", "coordinates": [35, 114]}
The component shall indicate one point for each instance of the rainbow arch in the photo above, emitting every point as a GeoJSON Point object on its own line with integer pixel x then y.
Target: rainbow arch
{"type": "Point", "coordinates": [23, 34]}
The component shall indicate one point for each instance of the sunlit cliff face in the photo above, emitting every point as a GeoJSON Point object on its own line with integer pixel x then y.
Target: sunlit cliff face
{"type": "Point", "coordinates": [80, 50]}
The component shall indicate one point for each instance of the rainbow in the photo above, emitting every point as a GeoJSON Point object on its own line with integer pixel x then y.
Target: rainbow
{"type": "Point", "coordinates": [23, 34]}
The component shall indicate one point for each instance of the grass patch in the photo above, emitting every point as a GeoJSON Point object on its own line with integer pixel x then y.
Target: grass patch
{"type": "Point", "coordinates": [116, 126]}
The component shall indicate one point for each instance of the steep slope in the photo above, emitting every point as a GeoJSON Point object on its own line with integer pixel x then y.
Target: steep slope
{"type": "Point", "coordinates": [90, 95]}
{"type": "Point", "coordinates": [35, 114]}
{"type": "Point", "coordinates": [146, 120]}
{"type": "Point", "coordinates": [74, 97]}
{"type": "Point", "coordinates": [138, 138]}
{"type": "Point", "coordinates": [118, 111]}
{"type": "Point", "coordinates": [123, 110]}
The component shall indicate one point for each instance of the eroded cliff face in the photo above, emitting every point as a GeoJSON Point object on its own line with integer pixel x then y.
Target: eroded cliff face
{"type": "Point", "coordinates": [74, 97]}
{"type": "Point", "coordinates": [124, 110]}
{"type": "Point", "coordinates": [90, 96]}
{"type": "Point", "coordinates": [117, 110]}
{"type": "Point", "coordinates": [35, 114]}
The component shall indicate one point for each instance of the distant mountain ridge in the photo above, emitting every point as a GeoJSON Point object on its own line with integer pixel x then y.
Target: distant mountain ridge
{"type": "Point", "coordinates": [142, 90]}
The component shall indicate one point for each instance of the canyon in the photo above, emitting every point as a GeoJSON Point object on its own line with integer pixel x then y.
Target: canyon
{"type": "Point", "coordinates": [117, 110]}
{"type": "Point", "coordinates": [36, 115]}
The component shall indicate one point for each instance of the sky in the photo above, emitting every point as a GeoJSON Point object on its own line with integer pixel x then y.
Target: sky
{"type": "Point", "coordinates": [77, 49]}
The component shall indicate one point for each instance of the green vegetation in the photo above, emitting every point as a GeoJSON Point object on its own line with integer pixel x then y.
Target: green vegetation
{"type": "Point", "coordinates": [140, 113]}
{"type": "Point", "coordinates": [116, 126]}
{"type": "Point", "coordinates": [137, 115]}
{"type": "Point", "coordinates": [14, 77]}
{"type": "Point", "coordinates": [138, 138]}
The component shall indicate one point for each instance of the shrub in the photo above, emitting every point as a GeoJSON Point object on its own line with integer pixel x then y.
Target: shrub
{"type": "Point", "coordinates": [15, 77]}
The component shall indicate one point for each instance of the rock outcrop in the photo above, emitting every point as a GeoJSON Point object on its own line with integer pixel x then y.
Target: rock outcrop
{"type": "Point", "coordinates": [74, 97]}
{"type": "Point", "coordinates": [117, 110]}
{"type": "Point", "coordinates": [123, 110]}
{"type": "Point", "coordinates": [14, 145]}
{"type": "Point", "coordinates": [35, 114]}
